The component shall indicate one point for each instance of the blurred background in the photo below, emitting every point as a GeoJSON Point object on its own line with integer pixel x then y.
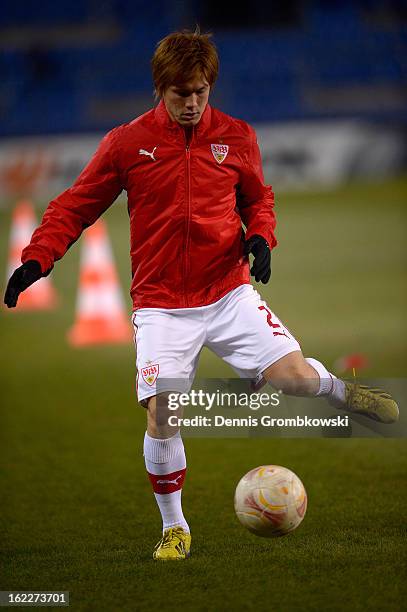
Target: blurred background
{"type": "Point", "coordinates": [325, 86]}
{"type": "Point", "coordinates": [325, 83]}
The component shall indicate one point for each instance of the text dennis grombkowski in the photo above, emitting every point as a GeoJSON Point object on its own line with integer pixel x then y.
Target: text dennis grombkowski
{"type": "Point", "coordinates": [254, 401]}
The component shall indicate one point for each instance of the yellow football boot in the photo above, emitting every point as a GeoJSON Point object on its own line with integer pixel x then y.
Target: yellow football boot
{"type": "Point", "coordinates": [371, 402]}
{"type": "Point", "coordinates": [173, 546]}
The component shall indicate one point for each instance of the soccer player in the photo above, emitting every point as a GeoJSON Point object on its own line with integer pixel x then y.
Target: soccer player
{"type": "Point", "coordinates": [192, 175]}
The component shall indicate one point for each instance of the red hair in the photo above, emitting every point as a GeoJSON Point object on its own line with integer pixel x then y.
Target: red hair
{"type": "Point", "coordinates": [182, 56]}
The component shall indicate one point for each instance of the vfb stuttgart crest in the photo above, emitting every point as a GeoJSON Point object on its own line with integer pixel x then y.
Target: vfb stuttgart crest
{"type": "Point", "coordinates": [150, 373]}
{"type": "Point", "coordinates": [219, 151]}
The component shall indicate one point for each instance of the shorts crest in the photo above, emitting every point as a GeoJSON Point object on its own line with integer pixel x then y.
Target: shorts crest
{"type": "Point", "coordinates": [150, 373]}
{"type": "Point", "coordinates": [219, 151]}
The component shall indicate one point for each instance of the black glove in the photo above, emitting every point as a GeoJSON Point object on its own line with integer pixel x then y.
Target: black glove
{"type": "Point", "coordinates": [20, 280]}
{"type": "Point", "coordinates": [261, 269]}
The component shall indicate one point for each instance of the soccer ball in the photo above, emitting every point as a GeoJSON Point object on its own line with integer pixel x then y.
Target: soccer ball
{"type": "Point", "coordinates": [270, 501]}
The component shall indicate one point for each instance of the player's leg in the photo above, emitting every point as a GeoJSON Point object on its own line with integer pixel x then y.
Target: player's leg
{"type": "Point", "coordinates": [165, 461]}
{"type": "Point", "coordinates": [293, 375]}
{"type": "Point", "coordinates": [297, 375]}
{"type": "Point", "coordinates": [168, 346]}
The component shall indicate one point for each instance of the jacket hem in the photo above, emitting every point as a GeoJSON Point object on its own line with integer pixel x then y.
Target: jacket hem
{"type": "Point", "coordinates": [167, 305]}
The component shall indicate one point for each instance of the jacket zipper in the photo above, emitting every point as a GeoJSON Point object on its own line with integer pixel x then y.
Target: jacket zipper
{"type": "Point", "coordinates": [187, 224]}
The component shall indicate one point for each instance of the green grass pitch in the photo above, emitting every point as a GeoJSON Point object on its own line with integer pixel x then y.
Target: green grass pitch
{"type": "Point", "coordinates": [77, 512]}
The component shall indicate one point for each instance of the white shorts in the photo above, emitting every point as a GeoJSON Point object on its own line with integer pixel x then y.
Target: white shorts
{"type": "Point", "coordinates": [239, 328]}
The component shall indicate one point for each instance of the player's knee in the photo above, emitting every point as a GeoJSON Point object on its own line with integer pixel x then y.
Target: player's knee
{"type": "Point", "coordinates": [295, 378]}
{"type": "Point", "coordinates": [158, 422]}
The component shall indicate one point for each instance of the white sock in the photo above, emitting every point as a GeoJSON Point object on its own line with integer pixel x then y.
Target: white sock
{"type": "Point", "coordinates": [166, 466]}
{"type": "Point", "coordinates": [331, 387]}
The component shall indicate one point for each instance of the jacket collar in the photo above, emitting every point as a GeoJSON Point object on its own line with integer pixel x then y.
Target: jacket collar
{"type": "Point", "coordinates": [165, 120]}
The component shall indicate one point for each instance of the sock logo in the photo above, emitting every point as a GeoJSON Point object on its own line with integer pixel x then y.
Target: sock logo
{"type": "Point", "coordinates": [167, 483]}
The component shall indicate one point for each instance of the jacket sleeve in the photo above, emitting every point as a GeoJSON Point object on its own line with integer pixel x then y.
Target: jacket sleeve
{"type": "Point", "coordinates": [75, 209]}
{"type": "Point", "coordinates": [255, 200]}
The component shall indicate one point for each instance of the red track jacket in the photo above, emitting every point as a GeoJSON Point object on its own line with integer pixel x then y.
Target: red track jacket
{"type": "Point", "coordinates": [186, 204]}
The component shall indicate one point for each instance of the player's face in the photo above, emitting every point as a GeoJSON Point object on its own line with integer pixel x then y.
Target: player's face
{"type": "Point", "coordinates": [185, 103]}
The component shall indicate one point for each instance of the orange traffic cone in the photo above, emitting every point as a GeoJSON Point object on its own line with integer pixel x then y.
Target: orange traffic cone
{"type": "Point", "coordinates": [100, 308]}
{"type": "Point", "coordinates": [41, 295]}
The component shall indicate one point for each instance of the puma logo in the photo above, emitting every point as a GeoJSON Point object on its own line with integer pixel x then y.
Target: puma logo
{"type": "Point", "coordinates": [144, 152]}
{"type": "Point", "coordinates": [175, 481]}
